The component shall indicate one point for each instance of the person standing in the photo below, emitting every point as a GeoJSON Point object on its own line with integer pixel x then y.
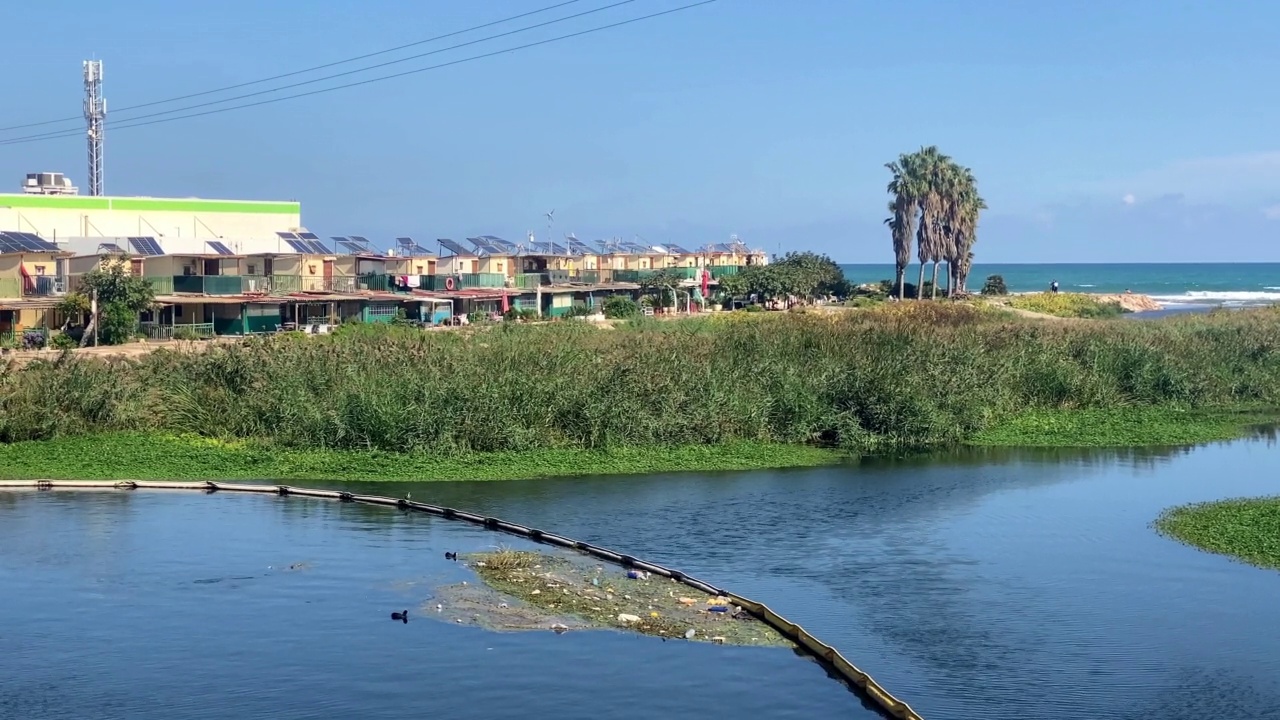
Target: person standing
{"type": "Point", "coordinates": [1053, 286]}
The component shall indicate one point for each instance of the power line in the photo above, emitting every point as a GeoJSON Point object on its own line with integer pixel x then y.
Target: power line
{"type": "Point", "coordinates": [60, 133]}
{"type": "Point", "coordinates": [305, 70]}
{"type": "Point", "coordinates": [51, 136]}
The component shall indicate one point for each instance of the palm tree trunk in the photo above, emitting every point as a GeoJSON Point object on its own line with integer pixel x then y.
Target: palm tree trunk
{"type": "Point", "coordinates": [902, 280]}
{"type": "Point", "coordinates": [951, 279]}
{"type": "Point", "coordinates": [920, 284]}
{"type": "Point", "coordinates": [933, 290]}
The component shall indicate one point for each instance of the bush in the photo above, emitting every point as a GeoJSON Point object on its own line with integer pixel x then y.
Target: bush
{"type": "Point", "coordinates": [185, 333]}
{"type": "Point", "coordinates": [895, 376]}
{"type": "Point", "coordinates": [1073, 305]}
{"type": "Point", "coordinates": [994, 286]}
{"type": "Point", "coordinates": [620, 307]}
{"type": "Point", "coordinates": [521, 315]}
{"type": "Point", "coordinates": [579, 311]}
{"type": "Point", "coordinates": [63, 341]}
{"type": "Point", "coordinates": [33, 340]}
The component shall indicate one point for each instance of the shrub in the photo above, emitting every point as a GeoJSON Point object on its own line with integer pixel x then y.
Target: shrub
{"type": "Point", "coordinates": [63, 341]}
{"type": "Point", "coordinates": [620, 306]}
{"type": "Point", "coordinates": [33, 340]}
{"type": "Point", "coordinates": [994, 286]}
{"type": "Point", "coordinates": [185, 333]}
{"type": "Point", "coordinates": [898, 375]}
{"type": "Point", "coordinates": [1073, 305]}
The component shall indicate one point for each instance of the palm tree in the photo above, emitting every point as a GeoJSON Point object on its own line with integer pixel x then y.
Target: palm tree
{"type": "Point", "coordinates": [928, 168]}
{"type": "Point", "coordinates": [938, 199]}
{"type": "Point", "coordinates": [902, 219]}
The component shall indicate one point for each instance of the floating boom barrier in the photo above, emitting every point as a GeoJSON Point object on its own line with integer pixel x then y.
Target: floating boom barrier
{"type": "Point", "coordinates": [824, 653]}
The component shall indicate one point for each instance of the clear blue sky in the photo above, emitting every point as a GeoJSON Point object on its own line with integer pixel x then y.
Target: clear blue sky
{"type": "Point", "coordinates": [1099, 131]}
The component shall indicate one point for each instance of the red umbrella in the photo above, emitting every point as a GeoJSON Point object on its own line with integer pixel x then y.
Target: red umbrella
{"type": "Point", "coordinates": [706, 281]}
{"type": "Point", "coordinates": [506, 304]}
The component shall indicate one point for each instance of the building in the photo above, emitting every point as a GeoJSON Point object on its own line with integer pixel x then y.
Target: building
{"type": "Point", "coordinates": [53, 216]}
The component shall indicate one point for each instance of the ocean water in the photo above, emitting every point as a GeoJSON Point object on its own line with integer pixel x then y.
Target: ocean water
{"type": "Point", "coordinates": [1193, 284]}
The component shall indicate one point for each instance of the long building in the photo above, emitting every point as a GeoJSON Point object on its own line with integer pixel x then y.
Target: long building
{"type": "Point", "coordinates": [62, 216]}
{"type": "Point", "coordinates": [234, 267]}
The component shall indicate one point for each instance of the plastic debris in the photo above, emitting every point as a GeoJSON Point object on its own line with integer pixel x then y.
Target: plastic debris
{"type": "Point", "coordinates": [628, 618]}
{"type": "Point", "coordinates": [690, 633]}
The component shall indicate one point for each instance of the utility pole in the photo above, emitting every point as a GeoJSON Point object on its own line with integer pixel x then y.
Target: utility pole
{"type": "Point", "coordinates": [95, 114]}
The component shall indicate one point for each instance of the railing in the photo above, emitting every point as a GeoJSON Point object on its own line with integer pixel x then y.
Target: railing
{"type": "Point", "coordinates": [45, 286]}
{"type": "Point", "coordinates": [163, 331]}
{"type": "Point", "coordinates": [161, 284]}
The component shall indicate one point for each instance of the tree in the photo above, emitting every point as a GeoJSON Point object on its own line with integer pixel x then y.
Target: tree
{"type": "Point", "coordinates": [121, 296]}
{"type": "Point", "coordinates": [939, 200]}
{"type": "Point", "coordinates": [663, 284]}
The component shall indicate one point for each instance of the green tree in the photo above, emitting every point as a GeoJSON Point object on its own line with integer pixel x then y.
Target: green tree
{"type": "Point", "coordinates": [939, 200]}
{"type": "Point", "coordinates": [121, 296]}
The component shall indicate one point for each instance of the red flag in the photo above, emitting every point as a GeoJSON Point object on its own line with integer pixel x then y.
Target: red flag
{"type": "Point", "coordinates": [506, 304]}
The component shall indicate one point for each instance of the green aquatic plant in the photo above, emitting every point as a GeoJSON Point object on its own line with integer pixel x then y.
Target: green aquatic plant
{"type": "Point", "coordinates": [1247, 529]}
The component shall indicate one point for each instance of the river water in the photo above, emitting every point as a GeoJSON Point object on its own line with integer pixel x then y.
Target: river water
{"type": "Point", "coordinates": [981, 584]}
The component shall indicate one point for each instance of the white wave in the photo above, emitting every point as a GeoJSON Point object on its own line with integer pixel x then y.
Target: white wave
{"type": "Point", "coordinates": [1219, 297]}
{"type": "Point", "coordinates": [1086, 285]}
{"type": "Point", "coordinates": [1271, 287]}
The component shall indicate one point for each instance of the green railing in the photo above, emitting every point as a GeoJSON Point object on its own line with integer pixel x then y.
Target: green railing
{"type": "Point", "coordinates": [161, 284]}
{"type": "Point", "coordinates": [530, 281]}
{"type": "Point", "coordinates": [723, 270]}
{"type": "Point", "coordinates": [164, 331]}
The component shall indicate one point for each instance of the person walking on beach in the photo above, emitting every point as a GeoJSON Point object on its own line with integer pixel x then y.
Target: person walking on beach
{"type": "Point", "coordinates": [1053, 286]}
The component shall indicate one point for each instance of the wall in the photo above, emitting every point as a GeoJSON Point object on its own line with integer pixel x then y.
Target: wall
{"type": "Point", "coordinates": [60, 216]}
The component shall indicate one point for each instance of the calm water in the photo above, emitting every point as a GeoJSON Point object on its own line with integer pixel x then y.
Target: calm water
{"type": "Point", "coordinates": [976, 585]}
{"type": "Point", "coordinates": [1231, 284]}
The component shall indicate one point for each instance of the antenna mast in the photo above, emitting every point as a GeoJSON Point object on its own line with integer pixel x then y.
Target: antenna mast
{"type": "Point", "coordinates": [95, 114]}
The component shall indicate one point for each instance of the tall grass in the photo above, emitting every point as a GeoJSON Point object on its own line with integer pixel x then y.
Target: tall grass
{"type": "Point", "coordinates": [901, 375]}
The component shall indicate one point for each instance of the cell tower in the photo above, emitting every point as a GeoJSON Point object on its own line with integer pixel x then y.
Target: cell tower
{"type": "Point", "coordinates": [95, 114]}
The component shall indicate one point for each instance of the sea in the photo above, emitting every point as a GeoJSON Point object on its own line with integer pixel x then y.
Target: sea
{"type": "Point", "coordinates": [1189, 285]}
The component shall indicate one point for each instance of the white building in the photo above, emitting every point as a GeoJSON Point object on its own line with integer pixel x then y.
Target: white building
{"type": "Point", "coordinates": [55, 217]}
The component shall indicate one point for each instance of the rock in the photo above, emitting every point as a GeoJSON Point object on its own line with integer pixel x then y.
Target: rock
{"type": "Point", "coordinates": [626, 618]}
{"type": "Point", "coordinates": [687, 601]}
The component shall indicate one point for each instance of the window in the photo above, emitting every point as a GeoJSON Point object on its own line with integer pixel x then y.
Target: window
{"type": "Point", "coordinates": [252, 269]}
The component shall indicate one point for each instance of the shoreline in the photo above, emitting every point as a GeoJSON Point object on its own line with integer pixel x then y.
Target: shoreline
{"type": "Point", "coordinates": [159, 456]}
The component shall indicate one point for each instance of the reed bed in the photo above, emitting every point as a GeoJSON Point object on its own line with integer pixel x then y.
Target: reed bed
{"type": "Point", "coordinates": [898, 376]}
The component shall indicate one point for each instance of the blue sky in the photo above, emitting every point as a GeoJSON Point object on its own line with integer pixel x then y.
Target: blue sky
{"type": "Point", "coordinates": [1136, 131]}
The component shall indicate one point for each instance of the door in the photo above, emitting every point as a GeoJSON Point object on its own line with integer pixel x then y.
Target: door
{"type": "Point", "coordinates": [212, 267]}
{"type": "Point", "coordinates": [135, 267]}
{"type": "Point", "coordinates": [268, 267]}
{"type": "Point", "coordinates": [328, 275]}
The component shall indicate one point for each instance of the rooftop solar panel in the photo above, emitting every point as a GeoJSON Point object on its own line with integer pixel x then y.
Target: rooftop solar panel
{"type": "Point", "coordinates": [558, 249]}
{"type": "Point", "coordinates": [406, 242]}
{"type": "Point", "coordinates": [26, 242]}
{"type": "Point", "coordinates": [454, 248]}
{"type": "Point", "coordinates": [678, 250]}
{"type": "Point", "coordinates": [301, 246]}
{"type": "Point", "coordinates": [577, 247]}
{"type": "Point", "coordinates": [359, 240]}
{"type": "Point", "coordinates": [111, 248]}
{"type": "Point", "coordinates": [219, 248]}
{"type": "Point", "coordinates": [145, 246]}
{"type": "Point", "coordinates": [318, 248]}
{"type": "Point", "coordinates": [308, 236]}
{"type": "Point", "coordinates": [351, 247]}
{"type": "Point", "coordinates": [287, 235]}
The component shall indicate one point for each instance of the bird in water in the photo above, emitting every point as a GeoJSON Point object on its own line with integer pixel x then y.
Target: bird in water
{"type": "Point", "coordinates": [451, 556]}
{"type": "Point", "coordinates": [401, 616]}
